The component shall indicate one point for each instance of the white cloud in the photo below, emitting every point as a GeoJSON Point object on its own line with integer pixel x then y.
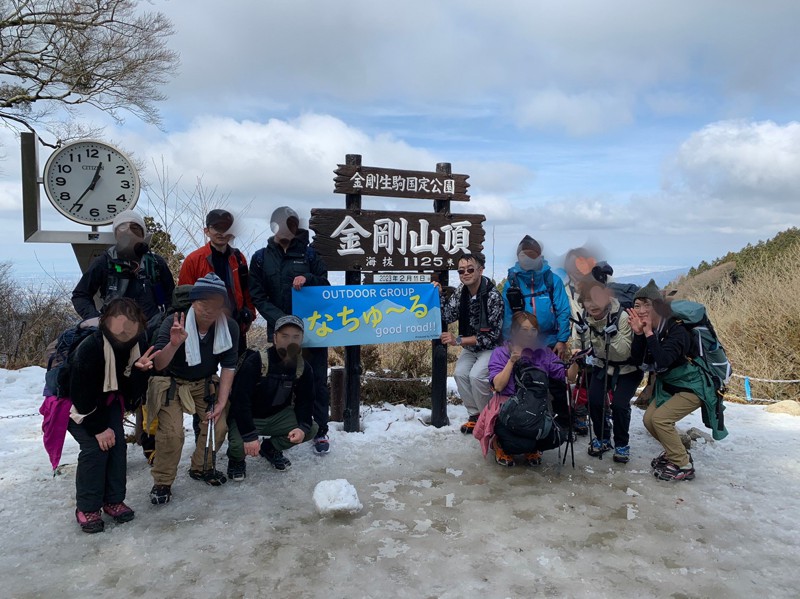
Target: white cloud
{"type": "Point", "coordinates": [584, 113]}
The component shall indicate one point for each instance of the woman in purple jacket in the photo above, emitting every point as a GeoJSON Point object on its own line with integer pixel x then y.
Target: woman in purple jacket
{"type": "Point", "coordinates": [524, 348]}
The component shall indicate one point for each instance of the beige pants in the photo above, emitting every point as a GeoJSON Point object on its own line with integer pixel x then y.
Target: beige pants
{"type": "Point", "coordinates": [170, 435]}
{"type": "Point", "coordinates": [661, 424]}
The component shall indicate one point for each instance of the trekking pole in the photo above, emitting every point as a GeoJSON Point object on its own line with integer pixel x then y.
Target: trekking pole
{"type": "Point", "coordinates": [605, 395]}
{"type": "Point", "coordinates": [208, 442]}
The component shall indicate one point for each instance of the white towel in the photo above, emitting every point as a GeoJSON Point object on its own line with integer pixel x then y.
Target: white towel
{"type": "Point", "coordinates": [222, 338]}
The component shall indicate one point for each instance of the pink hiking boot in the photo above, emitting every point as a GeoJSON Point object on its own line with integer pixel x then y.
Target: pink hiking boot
{"type": "Point", "coordinates": [90, 522]}
{"type": "Point", "coordinates": [119, 511]}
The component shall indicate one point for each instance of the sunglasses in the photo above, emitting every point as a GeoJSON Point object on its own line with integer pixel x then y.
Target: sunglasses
{"type": "Point", "coordinates": [466, 271]}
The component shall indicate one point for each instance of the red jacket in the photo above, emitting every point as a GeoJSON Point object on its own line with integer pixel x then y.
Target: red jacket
{"type": "Point", "coordinates": [198, 264]}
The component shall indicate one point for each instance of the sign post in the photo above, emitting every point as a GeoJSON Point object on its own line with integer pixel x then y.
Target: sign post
{"type": "Point", "coordinates": [352, 353]}
{"type": "Point", "coordinates": [439, 350]}
{"type": "Point", "coordinates": [393, 247]}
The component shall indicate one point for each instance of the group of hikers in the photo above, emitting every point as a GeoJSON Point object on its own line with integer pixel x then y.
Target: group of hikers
{"type": "Point", "coordinates": [544, 358]}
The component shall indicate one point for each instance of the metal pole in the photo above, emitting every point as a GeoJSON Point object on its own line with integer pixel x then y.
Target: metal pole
{"type": "Point", "coordinates": [439, 351]}
{"type": "Point", "coordinates": [352, 354]}
{"type": "Point", "coordinates": [31, 219]}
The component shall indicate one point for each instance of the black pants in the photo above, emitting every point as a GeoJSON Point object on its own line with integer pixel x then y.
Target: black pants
{"type": "Point", "coordinates": [101, 475]}
{"type": "Point", "coordinates": [514, 444]}
{"type": "Point", "coordinates": [623, 391]}
{"type": "Point", "coordinates": [317, 357]}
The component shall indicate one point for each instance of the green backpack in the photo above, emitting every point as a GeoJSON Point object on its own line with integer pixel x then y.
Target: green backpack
{"type": "Point", "coordinates": [711, 353]}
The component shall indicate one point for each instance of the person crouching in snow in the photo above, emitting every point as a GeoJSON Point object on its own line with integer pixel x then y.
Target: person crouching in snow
{"type": "Point", "coordinates": [477, 307]}
{"type": "Point", "coordinates": [108, 369]}
{"type": "Point", "coordinates": [664, 346]}
{"type": "Point", "coordinates": [193, 347]}
{"type": "Point", "coordinates": [273, 396]}
{"type": "Point", "coordinates": [524, 360]}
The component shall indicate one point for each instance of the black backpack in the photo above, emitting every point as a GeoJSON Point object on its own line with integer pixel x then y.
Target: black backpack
{"type": "Point", "coordinates": [55, 381]}
{"type": "Point", "coordinates": [625, 293]}
{"type": "Point", "coordinates": [528, 412]}
{"type": "Point", "coordinates": [180, 303]}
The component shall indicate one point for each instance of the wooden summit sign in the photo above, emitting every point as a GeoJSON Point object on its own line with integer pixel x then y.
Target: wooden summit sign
{"type": "Point", "coordinates": [369, 240]}
{"type": "Point", "coordinates": [395, 183]}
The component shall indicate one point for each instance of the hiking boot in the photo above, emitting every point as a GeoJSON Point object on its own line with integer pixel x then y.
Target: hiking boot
{"type": "Point", "coordinates": [279, 461]}
{"type": "Point", "coordinates": [214, 478]}
{"type": "Point", "coordinates": [91, 522]}
{"type": "Point", "coordinates": [581, 425]}
{"type": "Point", "coordinates": [469, 425]}
{"type": "Point", "coordinates": [622, 455]}
{"type": "Point", "coordinates": [160, 494]}
{"type": "Point", "coordinates": [598, 448]}
{"type": "Point", "coordinates": [120, 512]}
{"type": "Point", "coordinates": [237, 470]}
{"type": "Point", "coordinates": [322, 444]}
{"type": "Point", "coordinates": [658, 462]}
{"type": "Point", "coordinates": [533, 459]}
{"type": "Point", "coordinates": [671, 472]}
{"type": "Point", "coordinates": [501, 457]}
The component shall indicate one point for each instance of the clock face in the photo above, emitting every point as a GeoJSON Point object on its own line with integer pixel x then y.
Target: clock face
{"type": "Point", "coordinates": [90, 182]}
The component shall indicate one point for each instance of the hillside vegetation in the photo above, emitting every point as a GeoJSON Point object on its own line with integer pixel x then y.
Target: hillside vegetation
{"type": "Point", "coordinates": [753, 298]}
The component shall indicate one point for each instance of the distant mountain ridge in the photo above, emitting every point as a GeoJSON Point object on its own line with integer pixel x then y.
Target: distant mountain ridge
{"type": "Point", "coordinates": [662, 278]}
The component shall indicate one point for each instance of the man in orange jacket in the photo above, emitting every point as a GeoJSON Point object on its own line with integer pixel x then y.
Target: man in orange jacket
{"type": "Point", "coordinates": [228, 263]}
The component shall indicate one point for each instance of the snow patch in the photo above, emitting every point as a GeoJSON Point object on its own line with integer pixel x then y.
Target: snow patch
{"type": "Point", "coordinates": [334, 497]}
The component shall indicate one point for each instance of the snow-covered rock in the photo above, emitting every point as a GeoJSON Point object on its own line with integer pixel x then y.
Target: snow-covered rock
{"type": "Point", "coordinates": [787, 406]}
{"type": "Point", "coordinates": [333, 497]}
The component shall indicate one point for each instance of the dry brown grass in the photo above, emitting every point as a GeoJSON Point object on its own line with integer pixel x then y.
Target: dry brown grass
{"type": "Point", "coordinates": [758, 321]}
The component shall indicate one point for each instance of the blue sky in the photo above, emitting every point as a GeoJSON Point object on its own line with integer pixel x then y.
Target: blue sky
{"type": "Point", "coordinates": [666, 133]}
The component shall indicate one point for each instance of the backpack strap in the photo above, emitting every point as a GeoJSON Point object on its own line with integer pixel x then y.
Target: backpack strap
{"type": "Point", "coordinates": [264, 354]}
{"type": "Point", "coordinates": [244, 272]}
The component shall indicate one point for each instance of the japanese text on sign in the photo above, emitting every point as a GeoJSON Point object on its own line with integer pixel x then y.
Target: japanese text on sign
{"type": "Point", "coordinates": [368, 314]}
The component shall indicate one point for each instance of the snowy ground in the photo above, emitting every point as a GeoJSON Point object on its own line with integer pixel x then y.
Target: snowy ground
{"type": "Point", "coordinates": [437, 520]}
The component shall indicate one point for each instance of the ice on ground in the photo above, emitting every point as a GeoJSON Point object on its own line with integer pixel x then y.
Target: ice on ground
{"type": "Point", "coordinates": [547, 531]}
{"type": "Point", "coordinates": [333, 497]}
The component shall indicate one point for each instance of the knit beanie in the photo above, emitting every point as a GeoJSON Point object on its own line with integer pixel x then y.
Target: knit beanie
{"type": "Point", "coordinates": [128, 216]}
{"type": "Point", "coordinates": [208, 286]}
{"type": "Point", "coordinates": [649, 291]}
{"type": "Point", "coordinates": [529, 243]}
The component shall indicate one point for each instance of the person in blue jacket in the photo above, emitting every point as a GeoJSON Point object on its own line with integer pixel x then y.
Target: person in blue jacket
{"type": "Point", "coordinates": [532, 286]}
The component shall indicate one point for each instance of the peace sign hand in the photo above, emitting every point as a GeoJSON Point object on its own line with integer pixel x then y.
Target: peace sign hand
{"type": "Point", "coordinates": [178, 334]}
{"type": "Point", "coordinates": [145, 362]}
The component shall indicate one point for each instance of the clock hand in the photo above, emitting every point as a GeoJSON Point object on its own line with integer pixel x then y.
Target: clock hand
{"type": "Point", "coordinates": [95, 179]}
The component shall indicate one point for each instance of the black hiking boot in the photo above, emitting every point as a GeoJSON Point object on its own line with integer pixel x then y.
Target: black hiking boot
{"type": "Point", "coordinates": [214, 478]}
{"type": "Point", "coordinates": [279, 461]}
{"type": "Point", "coordinates": [237, 470]}
{"type": "Point", "coordinates": [160, 494]}
{"type": "Point", "coordinates": [671, 472]}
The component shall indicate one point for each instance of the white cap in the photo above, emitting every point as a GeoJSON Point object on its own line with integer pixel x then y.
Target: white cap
{"type": "Point", "coordinates": [128, 216]}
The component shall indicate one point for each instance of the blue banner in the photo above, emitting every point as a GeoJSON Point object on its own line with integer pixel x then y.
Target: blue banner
{"type": "Point", "coordinates": [368, 314]}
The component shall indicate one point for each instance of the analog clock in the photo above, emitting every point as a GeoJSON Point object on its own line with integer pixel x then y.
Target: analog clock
{"type": "Point", "coordinates": [90, 182]}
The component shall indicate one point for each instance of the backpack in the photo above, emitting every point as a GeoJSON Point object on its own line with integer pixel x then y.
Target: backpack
{"type": "Point", "coordinates": [625, 293]}
{"type": "Point", "coordinates": [58, 352]}
{"type": "Point", "coordinates": [516, 297]}
{"type": "Point", "coordinates": [528, 412]}
{"type": "Point", "coordinates": [180, 303]}
{"type": "Point", "coordinates": [148, 264]}
{"type": "Point", "coordinates": [301, 363]}
{"type": "Point", "coordinates": [711, 355]}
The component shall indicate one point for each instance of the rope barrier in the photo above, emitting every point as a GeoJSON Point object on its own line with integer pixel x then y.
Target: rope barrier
{"type": "Point", "coordinates": [19, 416]}
{"type": "Point", "coordinates": [779, 381]}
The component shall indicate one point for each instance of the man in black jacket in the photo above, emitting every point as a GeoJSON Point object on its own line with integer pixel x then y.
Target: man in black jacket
{"type": "Point", "coordinates": [286, 263]}
{"type": "Point", "coordinates": [274, 399]}
{"type": "Point", "coordinates": [127, 269]}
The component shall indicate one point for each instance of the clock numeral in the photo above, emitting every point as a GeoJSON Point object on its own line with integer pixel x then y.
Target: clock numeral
{"type": "Point", "coordinates": [121, 198]}
{"type": "Point", "coordinates": [94, 212]}
{"type": "Point", "coordinates": [120, 170]}
{"type": "Point", "coordinates": [64, 196]}
{"type": "Point", "coordinates": [64, 168]}
{"type": "Point", "coordinates": [125, 185]}
{"type": "Point", "coordinates": [72, 157]}
{"type": "Point", "coordinates": [92, 153]}
{"type": "Point", "coordinates": [76, 207]}
{"type": "Point", "coordinates": [111, 209]}
{"type": "Point", "coordinates": [61, 181]}
{"type": "Point", "coordinates": [109, 157]}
